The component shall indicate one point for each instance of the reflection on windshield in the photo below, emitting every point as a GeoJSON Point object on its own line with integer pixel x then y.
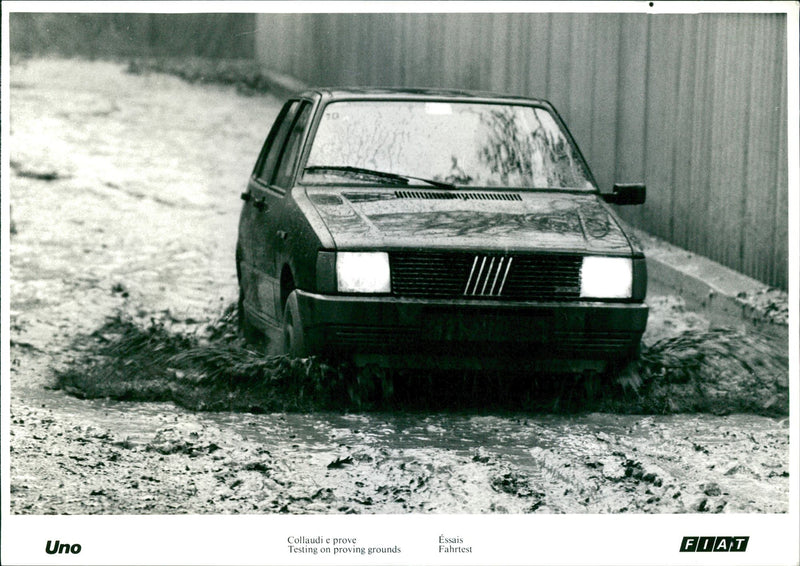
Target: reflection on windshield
{"type": "Point", "coordinates": [463, 144]}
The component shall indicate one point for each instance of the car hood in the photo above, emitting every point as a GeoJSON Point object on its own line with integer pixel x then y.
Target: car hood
{"type": "Point", "coordinates": [469, 220]}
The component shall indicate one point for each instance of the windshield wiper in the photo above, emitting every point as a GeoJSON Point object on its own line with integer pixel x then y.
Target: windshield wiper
{"type": "Point", "coordinates": [397, 178]}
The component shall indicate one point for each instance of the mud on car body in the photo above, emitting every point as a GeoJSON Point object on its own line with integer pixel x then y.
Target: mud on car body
{"type": "Point", "coordinates": [408, 225]}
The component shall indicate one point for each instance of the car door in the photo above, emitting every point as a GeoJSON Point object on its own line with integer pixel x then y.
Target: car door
{"type": "Point", "coordinates": [268, 188]}
{"type": "Point", "coordinates": [282, 181]}
{"type": "Point", "coordinates": [257, 259]}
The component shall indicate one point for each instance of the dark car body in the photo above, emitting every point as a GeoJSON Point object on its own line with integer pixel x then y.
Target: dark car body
{"type": "Point", "coordinates": [479, 265]}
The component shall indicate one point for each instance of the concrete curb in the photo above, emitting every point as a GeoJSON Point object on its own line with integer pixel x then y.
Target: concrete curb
{"type": "Point", "coordinates": [723, 293]}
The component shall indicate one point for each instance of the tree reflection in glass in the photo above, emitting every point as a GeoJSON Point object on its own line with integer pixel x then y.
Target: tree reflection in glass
{"type": "Point", "coordinates": [462, 143]}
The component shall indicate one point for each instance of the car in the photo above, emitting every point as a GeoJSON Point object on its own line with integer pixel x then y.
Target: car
{"type": "Point", "coordinates": [402, 226]}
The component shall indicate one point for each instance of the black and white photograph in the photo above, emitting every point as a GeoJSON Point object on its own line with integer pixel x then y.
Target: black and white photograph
{"type": "Point", "coordinates": [399, 283]}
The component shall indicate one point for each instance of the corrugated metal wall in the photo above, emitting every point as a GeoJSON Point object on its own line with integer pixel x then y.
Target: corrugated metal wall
{"type": "Point", "coordinates": [694, 105]}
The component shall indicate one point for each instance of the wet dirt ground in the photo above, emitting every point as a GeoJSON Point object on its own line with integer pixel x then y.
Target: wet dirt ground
{"type": "Point", "coordinates": [125, 194]}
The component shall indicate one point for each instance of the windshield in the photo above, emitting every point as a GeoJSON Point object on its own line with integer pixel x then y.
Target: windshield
{"type": "Point", "coordinates": [457, 143]}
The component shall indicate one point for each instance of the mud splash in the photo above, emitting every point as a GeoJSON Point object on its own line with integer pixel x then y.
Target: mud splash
{"type": "Point", "coordinates": [209, 367]}
{"type": "Point", "coordinates": [200, 367]}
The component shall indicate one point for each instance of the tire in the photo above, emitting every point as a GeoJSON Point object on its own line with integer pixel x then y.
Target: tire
{"type": "Point", "coordinates": [293, 333]}
{"type": "Point", "coordinates": [250, 333]}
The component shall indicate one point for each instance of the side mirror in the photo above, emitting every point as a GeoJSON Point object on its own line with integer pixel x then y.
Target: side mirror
{"type": "Point", "coordinates": [626, 193]}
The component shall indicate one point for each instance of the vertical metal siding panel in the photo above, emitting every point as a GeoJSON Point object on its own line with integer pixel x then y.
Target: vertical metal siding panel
{"type": "Point", "coordinates": [449, 69]}
{"type": "Point", "coordinates": [507, 25]}
{"type": "Point", "coordinates": [344, 50]}
{"type": "Point", "coordinates": [581, 66]}
{"type": "Point", "coordinates": [338, 55]}
{"type": "Point", "coordinates": [700, 172]}
{"type": "Point", "coordinates": [746, 28]}
{"type": "Point", "coordinates": [318, 43]}
{"type": "Point", "coordinates": [455, 71]}
{"type": "Point", "coordinates": [682, 212]}
{"type": "Point", "coordinates": [451, 64]}
{"type": "Point", "coordinates": [373, 57]}
{"type": "Point", "coordinates": [660, 124]}
{"type": "Point", "coordinates": [497, 67]}
{"type": "Point", "coordinates": [364, 64]}
{"type": "Point", "coordinates": [728, 142]}
{"type": "Point", "coordinates": [261, 39]}
{"type": "Point", "coordinates": [304, 53]}
{"type": "Point", "coordinates": [368, 53]}
{"type": "Point", "coordinates": [514, 58]}
{"type": "Point", "coordinates": [559, 64]}
{"type": "Point", "coordinates": [295, 45]}
{"type": "Point", "coordinates": [300, 52]}
{"type": "Point", "coordinates": [416, 26]}
{"type": "Point", "coordinates": [362, 24]}
{"type": "Point", "coordinates": [484, 53]}
{"type": "Point", "coordinates": [631, 105]}
{"type": "Point", "coordinates": [670, 117]}
{"type": "Point", "coordinates": [780, 261]}
{"type": "Point", "coordinates": [272, 33]}
{"type": "Point", "coordinates": [429, 50]}
{"type": "Point", "coordinates": [536, 54]}
{"type": "Point", "coordinates": [426, 50]}
{"type": "Point", "coordinates": [402, 42]}
{"type": "Point", "coordinates": [412, 28]}
{"type": "Point", "coordinates": [382, 37]}
{"type": "Point", "coordinates": [468, 56]}
{"type": "Point", "coordinates": [287, 53]}
{"type": "Point", "coordinates": [326, 49]}
{"type": "Point", "coordinates": [716, 197]}
{"type": "Point", "coordinates": [438, 45]}
{"type": "Point", "coordinates": [405, 40]}
{"type": "Point", "coordinates": [756, 234]}
{"type": "Point", "coordinates": [288, 43]}
{"type": "Point", "coordinates": [387, 38]}
{"type": "Point", "coordinates": [604, 100]}
{"type": "Point", "coordinates": [746, 33]}
{"type": "Point", "coordinates": [476, 50]}
{"type": "Point", "coordinates": [349, 56]}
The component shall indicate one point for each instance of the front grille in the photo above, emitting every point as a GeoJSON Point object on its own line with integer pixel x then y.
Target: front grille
{"type": "Point", "coordinates": [524, 277]}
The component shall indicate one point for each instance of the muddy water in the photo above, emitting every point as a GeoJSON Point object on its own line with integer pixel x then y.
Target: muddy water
{"type": "Point", "coordinates": [129, 200]}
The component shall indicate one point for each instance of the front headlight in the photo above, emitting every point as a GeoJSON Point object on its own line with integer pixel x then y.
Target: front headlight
{"type": "Point", "coordinates": [363, 272]}
{"type": "Point", "coordinates": [606, 277]}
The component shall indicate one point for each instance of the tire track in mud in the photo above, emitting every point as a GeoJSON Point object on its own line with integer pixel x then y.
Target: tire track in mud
{"type": "Point", "coordinates": [604, 478]}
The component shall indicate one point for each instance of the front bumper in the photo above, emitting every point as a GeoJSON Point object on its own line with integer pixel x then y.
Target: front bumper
{"type": "Point", "coordinates": [585, 330]}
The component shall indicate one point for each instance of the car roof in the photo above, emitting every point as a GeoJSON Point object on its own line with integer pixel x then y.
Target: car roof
{"type": "Point", "coordinates": [389, 93]}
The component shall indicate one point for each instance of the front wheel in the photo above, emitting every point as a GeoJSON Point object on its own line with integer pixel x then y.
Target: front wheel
{"type": "Point", "coordinates": [294, 343]}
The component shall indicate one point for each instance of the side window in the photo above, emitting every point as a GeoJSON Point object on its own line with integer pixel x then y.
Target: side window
{"type": "Point", "coordinates": [283, 176]}
{"type": "Point", "coordinates": [272, 147]}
